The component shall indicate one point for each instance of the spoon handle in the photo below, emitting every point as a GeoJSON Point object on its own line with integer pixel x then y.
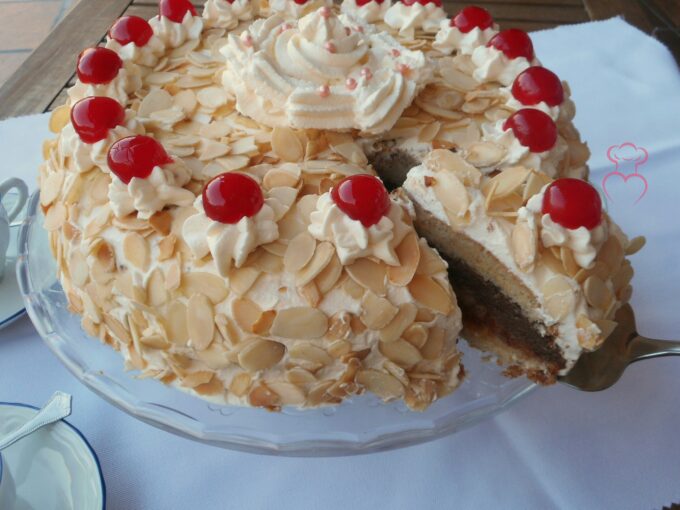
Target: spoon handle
{"type": "Point", "coordinates": [58, 407]}
{"type": "Point", "coordinates": [644, 348]}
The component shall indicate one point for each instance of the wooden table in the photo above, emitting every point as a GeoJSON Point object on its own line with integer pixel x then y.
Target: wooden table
{"type": "Point", "coordinates": [40, 83]}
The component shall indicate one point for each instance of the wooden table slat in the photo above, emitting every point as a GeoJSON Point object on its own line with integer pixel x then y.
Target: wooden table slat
{"type": "Point", "coordinates": [538, 12]}
{"type": "Point", "coordinates": [41, 78]}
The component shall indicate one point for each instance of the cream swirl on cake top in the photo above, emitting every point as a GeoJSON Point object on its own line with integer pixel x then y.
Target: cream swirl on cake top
{"type": "Point", "coordinates": [493, 65]}
{"type": "Point", "coordinates": [450, 38]}
{"type": "Point", "coordinates": [226, 14]}
{"type": "Point", "coordinates": [409, 18]}
{"type": "Point", "coordinates": [290, 9]}
{"type": "Point", "coordinates": [175, 34]}
{"type": "Point", "coordinates": [320, 73]}
{"type": "Point", "coordinates": [120, 88]}
{"type": "Point", "coordinates": [149, 195]}
{"type": "Point", "coordinates": [146, 55]}
{"type": "Point", "coordinates": [352, 240]}
{"type": "Point", "coordinates": [229, 243]}
{"type": "Point", "coordinates": [370, 11]}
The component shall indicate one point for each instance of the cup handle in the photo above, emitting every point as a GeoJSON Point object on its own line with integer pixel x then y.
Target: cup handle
{"type": "Point", "coordinates": [20, 186]}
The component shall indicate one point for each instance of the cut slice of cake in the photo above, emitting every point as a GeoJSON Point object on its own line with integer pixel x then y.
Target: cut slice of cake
{"type": "Point", "coordinates": [538, 268]}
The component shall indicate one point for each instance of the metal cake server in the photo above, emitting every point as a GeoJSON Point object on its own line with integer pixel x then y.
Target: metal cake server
{"type": "Point", "coordinates": [598, 370]}
{"type": "Point", "coordinates": [58, 407]}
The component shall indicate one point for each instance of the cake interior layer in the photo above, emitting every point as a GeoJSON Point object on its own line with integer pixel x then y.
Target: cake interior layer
{"type": "Point", "coordinates": [495, 304]}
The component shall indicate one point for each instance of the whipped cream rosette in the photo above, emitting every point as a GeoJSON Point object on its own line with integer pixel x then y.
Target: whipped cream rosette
{"type": "Point", "coordinates": [320, 73]}
{"type": "Point", "coordinates": [227, 14]}
{"type": "Point", "coordinates": [370, 11]}
{"type": "Point", "coordinates": [409, 17]}
{"type": "Point", "coordinates": [451, 39]}
{"type": "Point", "coordinates": [174, 34]}
{"type": "Point", "coordinates": [290, 9]}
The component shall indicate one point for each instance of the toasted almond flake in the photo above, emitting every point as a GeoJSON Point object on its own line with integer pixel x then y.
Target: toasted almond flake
{"type": "Point", "coordinates": [416, 335]}
{"type": "Point", "coordinates": [430, 262]}
{"type": "Point", "coordinates": [242, 279]}
{"type": "Point", "coordinates": [289, 394]}
{"type": "Point", "coordinates": [369, 274]}
{"type": "Point", "coordinates": [558, 296]}
{"type": "Point", "coordinates": [322, 256]}
{"type": "Point", "coordinates": [351, 151]}
{"type": "Point", "coordinates": [408, 253]}
{"type": "Point", "coordinates": [55, 217]}
{"type": "Point", "coordinates": [568, 261]}
{"type": "Point", "coordinates": [611, 253]}
{"type": "Point", "coordinates": [246, 313]}
{"type": "Point", "coordinates": [300, 376]}
{"type": "Point", "coordinates": [240, 384]}
{"type": "Point", "coordinates": [212, 97]}
{"type": "Point", "coordinates": [286, 145]}
{"type": "Point", "coordinates": [197, 282]}
{"type": "Point", "coordinates": [524, 242]}
{"type": "Point", "coordinates": [277, 178]}
{"type": "Point", "coordinates": [310, 293]}
{"type": "Point", "coordinates": [623, 276]}
{"type": "Point", "coordinates": [51, 188]}
{"type": "Point", "coordinates": [173, 277]}
{"type": "Point", "coordinates": [534, 184]}
{"type": "Point", "coordinates": [155, 342]}
{"type": "Point", "coordinates": [262, 396]}
{"type": "Point", "coordinates": [452, 194]}
{"type": "Point", "coordinates": [156, 289]}
{"type": "Point", "coordinates": [260, 354]}
{"type": "Point", "coordinates": [384, 385]}
{"type": "Point", "coordinates": [606, 327]}
{"type": "Point", "coordinates": [59, 118]}
{"type": "Point", "coordinates": [210, 149]}
{"type": "Point", "coordinates": [227, 328]}
{"type": "Point", "coordinates": [136, 250]}
{"type": "Point", "coordinates": [485, 154]}
{"type": "Point", "coordinates": [161, 222]}
{"type": "Point", "coordinates": [353, 289]}
{"type": "Point", "coordinates": [264, 323]}
{"type": "Point", "coordinates": [401, 352]}
{"type": "Point", "coordinates": [185, 100]}
{"type": "Point", "coordinates": [77, 266]}
{"type": "Point", "coordinates": [597, 293]}
{"type": "Point", "coordinates": [300, 323]}
{"type": "Point", "coordinates": [507, 182]}
{"type": "Point", "coordinates": [178, 332]}
{"type": "Point", "coordinates": [431, 294]}
{"type": "Point", "coordinates": [265, 261]}
{"type": "Point", "coordinates": [429, 132]}
{"type": "Point", "coordinates": [200, 321]}
{"type": "Point", "coordinates": [635, 245]}
{"type": "Point", "coordinates": [434, 346]}
{"type": "Point", "coordinates": [376, 312]}
{"type": "Point", "coordinates": [155, 100]}
{"type": "Point", "coordinates": [310, 352]}
{"type": "Point", "coordinates": [300, 251]}
{"type": "Point", "coordinates": [403, 319]}
{"type": "Point", "coordinates": [232, 163]}
{"type": "Point", "coordinates": [276, 248]}
{"type": "Point", "coordinates": [117, 329]}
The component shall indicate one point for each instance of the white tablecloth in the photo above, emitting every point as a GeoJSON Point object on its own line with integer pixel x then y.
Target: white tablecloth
{"type": "Point", "coordinates": [559, 448]}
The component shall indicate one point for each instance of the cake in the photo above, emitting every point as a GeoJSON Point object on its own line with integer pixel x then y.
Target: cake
{"type": "Point", "coordinates": [216, 202]}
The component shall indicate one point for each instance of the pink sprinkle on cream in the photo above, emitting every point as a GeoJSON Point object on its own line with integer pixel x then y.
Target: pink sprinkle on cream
{"type": "Point", "coordinates": [403, 69]}
{"type": "Point", "coordinates": [247, 39]}
{"type": "Point", "coordinates": [330, 47]}
{"type": "Point", "coordinates": [324, 91]}
{"type": "Point", "coordinates": [351, 83]}
{"type": "Point", "coordinates": [366, 73]}
{"type": "Point", "coordinates": [325, 12]}
{"type": "Point", "coordinates": [396, 52]}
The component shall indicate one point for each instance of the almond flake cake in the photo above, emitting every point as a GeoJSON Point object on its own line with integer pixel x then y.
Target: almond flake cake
{"type": "Point", "coordinates": [215, 201]}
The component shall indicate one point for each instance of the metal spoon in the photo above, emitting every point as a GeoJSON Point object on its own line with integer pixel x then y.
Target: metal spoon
{"type": "Point", "coordinates": [600, 369]}
{"type": "Point", "coordinates": [58, 407]}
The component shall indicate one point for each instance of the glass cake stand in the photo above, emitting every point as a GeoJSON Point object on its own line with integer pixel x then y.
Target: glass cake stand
{"type": "Point", "coordinates": [359, 426]}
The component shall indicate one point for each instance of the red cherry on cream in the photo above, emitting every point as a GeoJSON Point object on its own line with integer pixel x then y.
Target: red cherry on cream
{"type": "Point", "coordinates": [229, 197]}
{"type": "Point", "coordinates": [361, 3]}
{"type": "Point", "coordinates": [537, 84]}
{"type": "Point", "coordinates": [363, 198]}
{"type": "Point", "coordinates": [93, 117]}
{"type": "Point", "coordinates": [175, 10]}
{"type": "Point", "coordinates": [98, 66]}
{"type": "Point", "coordinates": [470, 18]}
{"type": "Point", "coordinates": [573, 203]}
{"type": "Point", "coordinates": [533, 128]}
{"type": "Point", "coordinates": [300, 2]}
{"type": "Point", "coordinates": [136, 156]}
{"type": "Point", "coordinates": [131, 29]}
{"type": "Point", "coordinates": [514, 43]}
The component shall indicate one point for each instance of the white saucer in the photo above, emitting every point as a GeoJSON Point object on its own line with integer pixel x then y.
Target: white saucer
{"type": "Point", "coordinates": [54, 468]}
{"type": "Point", "coordinates": [11, 302]}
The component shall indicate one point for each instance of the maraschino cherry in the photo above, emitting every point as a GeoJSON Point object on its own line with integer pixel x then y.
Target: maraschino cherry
{"type": "Point", "coordinates": [538, 84]}
{"type": "Point", "coordinates": [98, 65]}
{"type": "Point", "coordinates": [136, 156]}
{"type": "Point", "coordinates": [533, 128]}
{"type": "Point", "coordinates": [361, 3]}
{"type": "Point", "coordinates": [514, 43]}
{"type": "Point", "coordinates": [363, 198]}
{"type": "Point", "coordinates": [175, 10]}
{"type": "Point", "coordinates": [472, 17]}
{"type": "Point", "coordinates": [232, 196]}
{"type": "Point", "coordinates": [573, 203]}
{"type": "Point", "coordinates": [438, 3]}
{"type": "Point", "coordinates": [131, 29]}
{"type": "Point", "coordinates": [93, 117]}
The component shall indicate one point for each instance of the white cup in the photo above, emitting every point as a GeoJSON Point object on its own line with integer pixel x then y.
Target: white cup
{"type": "Point", "coordinates": [13, 183]}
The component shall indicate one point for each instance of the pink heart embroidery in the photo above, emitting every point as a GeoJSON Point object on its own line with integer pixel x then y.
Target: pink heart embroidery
{"type": "Point", "coordinates": [624, 155]}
